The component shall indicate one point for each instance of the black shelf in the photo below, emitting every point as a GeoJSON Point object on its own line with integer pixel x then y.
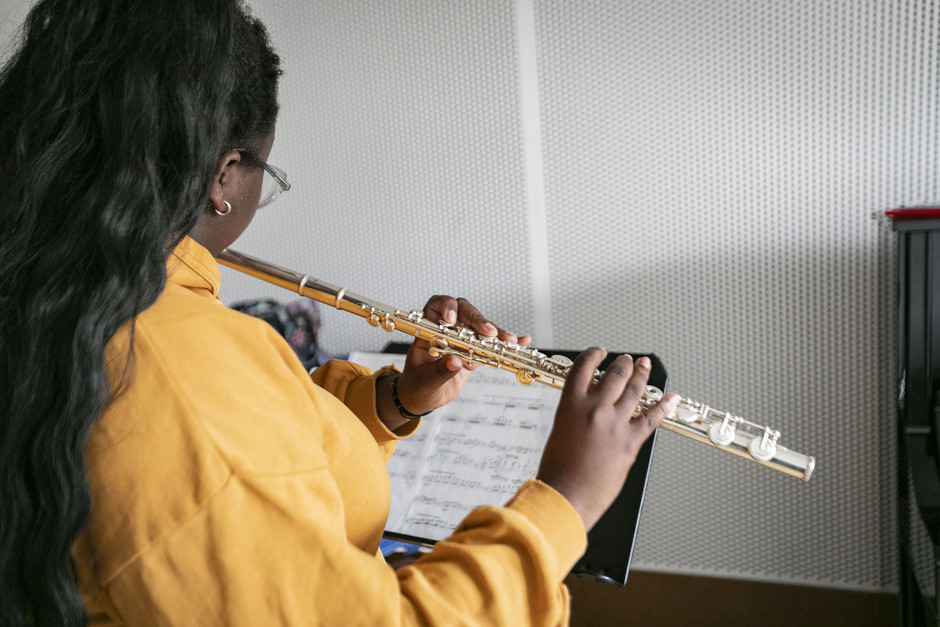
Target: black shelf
{"type": "Point", "coordinates": [918, 416]}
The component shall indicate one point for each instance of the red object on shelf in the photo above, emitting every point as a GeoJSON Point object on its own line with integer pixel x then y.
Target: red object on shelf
{"type": "Point", "coordinates": [914, 213]}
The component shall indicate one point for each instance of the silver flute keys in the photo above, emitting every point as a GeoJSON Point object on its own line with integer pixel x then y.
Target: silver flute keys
{"type": "Point", "coordinates": [690, 418]}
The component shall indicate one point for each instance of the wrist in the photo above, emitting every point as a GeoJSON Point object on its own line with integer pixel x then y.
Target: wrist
{"type": "Point", "coordinates": [402, 411]}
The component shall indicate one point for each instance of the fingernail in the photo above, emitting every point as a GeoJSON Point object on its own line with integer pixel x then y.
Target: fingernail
{"type": "Point", "coordinates": [643, 362]}
{"type": "Point", "coordinates": [672, 401]}
{"type": "Point", "coordinates": [450, 316]}
{"type": "Point", "coordinates": [489, 326]}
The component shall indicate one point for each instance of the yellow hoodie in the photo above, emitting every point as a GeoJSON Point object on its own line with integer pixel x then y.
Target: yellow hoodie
{"type": "Point", "coordinates": [231, 488]}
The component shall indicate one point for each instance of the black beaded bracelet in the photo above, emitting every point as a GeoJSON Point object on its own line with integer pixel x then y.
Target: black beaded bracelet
{"type": "Point", "coordinates": [407, 415]}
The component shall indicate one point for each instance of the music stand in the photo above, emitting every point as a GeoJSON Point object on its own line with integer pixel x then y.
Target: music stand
{"type": "Point", "coordinates": [611, 541]}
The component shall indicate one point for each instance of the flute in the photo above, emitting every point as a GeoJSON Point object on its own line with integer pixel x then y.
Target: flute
{"type": "Point", "coordinates": [693, 419]}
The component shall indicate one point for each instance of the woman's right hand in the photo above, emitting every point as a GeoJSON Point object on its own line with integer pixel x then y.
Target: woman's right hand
{"type": "Point", "coordinates": [595, 439]}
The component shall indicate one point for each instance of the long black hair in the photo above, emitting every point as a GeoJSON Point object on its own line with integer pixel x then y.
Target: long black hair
{"type": "Point", "coordinates": [112, 117]}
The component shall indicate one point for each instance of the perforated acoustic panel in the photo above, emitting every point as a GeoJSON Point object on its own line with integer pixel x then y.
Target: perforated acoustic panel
{"type": "Point", "coordinates": [711, 169]}
{"type": "Point", "coordinates": [696, 178]}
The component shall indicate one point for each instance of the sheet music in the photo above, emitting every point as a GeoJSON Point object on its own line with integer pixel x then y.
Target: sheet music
{"type": "Point", "coordinates": [479, 449]}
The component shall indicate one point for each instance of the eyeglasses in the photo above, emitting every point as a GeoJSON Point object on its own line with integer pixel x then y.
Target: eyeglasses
{"type": "Point", "coordinates": [273, 182]}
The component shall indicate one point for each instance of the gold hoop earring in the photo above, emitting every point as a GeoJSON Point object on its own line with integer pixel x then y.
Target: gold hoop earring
{"type": "Point", "coordinates": [228, 208]}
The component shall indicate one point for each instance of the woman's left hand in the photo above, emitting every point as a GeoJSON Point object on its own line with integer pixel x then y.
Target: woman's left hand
{"type": "Point", "coordinates": [427, 382]}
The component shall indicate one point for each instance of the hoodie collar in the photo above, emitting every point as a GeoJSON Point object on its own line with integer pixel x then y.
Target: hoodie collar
{"type": "Point", "coordinates": [192, 266]}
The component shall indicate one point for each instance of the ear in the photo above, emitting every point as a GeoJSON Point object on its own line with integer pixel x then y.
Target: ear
{"type": "Point", "coordinates": [223, 178]}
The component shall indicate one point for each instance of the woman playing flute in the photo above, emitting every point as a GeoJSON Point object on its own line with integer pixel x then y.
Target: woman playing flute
{"type": "Point", "coordinates": [168, 461]}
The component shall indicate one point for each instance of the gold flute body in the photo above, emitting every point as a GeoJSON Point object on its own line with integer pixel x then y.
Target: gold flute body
{"type": "Point", "coordinates": [690, 418]}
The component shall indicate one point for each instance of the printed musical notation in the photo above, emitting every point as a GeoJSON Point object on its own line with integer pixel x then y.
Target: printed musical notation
{"type": "Point", "coordinates": [478, 450]}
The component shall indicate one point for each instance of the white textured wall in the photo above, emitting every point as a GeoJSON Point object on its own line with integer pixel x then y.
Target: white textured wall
{"type": "Point", "coordinates": [690, 177]}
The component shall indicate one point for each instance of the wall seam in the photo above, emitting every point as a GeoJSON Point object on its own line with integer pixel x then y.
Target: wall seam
{"type": "Point", "coordinates": [530, 120]}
